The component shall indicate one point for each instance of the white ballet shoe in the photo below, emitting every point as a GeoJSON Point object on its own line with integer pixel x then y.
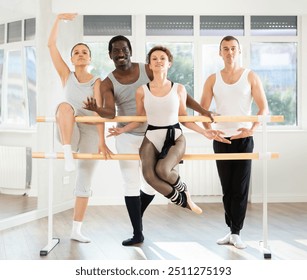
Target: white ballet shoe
{"type": "Point", "coordinates": [76, 233]}
{"type": "Point", "coordinates": [191, 205]}
{"type": "Point", "coordinates": [224, 240]}
{"type": "Point", "coordinates": [78, 236]}
{"type": "Point", "coordinates": [236, 241]}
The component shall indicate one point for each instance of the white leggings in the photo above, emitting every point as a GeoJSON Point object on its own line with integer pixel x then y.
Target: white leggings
{"type": "Point", "coordinates": [131, 170]}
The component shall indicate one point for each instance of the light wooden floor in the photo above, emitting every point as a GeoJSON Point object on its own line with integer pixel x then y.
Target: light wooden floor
{"type": "Point", "coordinates": [171, 233]}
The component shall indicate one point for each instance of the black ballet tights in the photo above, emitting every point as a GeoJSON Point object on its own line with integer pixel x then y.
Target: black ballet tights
{"type": "Point", "coordinates": [161, 174]}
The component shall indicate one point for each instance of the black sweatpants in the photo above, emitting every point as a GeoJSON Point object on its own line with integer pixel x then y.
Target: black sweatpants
{"type": "Point", "coordinates": [235, 178]}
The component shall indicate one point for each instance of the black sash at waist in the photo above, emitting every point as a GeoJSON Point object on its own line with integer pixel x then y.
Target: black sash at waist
{"type": "Point", "coordinates": [169, 139]}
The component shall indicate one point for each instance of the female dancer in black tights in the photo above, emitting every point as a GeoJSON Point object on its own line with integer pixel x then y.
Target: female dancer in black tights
{"type": "Point", "coordinates": [163, 147]}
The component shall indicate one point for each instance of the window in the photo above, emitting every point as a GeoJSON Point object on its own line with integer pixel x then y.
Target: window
{"type": "Point", "coordinates": [276, 65]}
{"type": "Point", "coordinates": [1, 81]}
{"type": "Point", "coordinates": [101, 64]}
{"type": "Point", "coordinates": [16, 101]}
{"type": "Point", "coordinates": [31, 83]}
{"type": "Point", "coordinates": [274, 58]}
{"type": "Point", "coordinates": [18, 76]}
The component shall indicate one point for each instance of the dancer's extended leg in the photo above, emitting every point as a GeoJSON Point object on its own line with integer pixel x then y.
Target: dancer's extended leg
{"type": "Point", "coordinates": [66, 120]}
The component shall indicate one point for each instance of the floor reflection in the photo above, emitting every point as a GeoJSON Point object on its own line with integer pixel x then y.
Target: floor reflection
{"type": "Point", "coordinates": [11, 205]}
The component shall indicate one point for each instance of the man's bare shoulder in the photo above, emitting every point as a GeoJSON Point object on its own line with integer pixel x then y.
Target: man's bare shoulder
{"type": "Point", "coordinates": [253, 77]}
{"type": "Point", "coordinates": [106, 85]}
{"type": "Point", "coordinates": [211, 79]}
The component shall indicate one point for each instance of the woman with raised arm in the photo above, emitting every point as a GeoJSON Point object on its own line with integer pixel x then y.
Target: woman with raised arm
{"type": "Point", "coordinates": [84, 138]}
{"type": "Point", "coordinates": [163, 147]}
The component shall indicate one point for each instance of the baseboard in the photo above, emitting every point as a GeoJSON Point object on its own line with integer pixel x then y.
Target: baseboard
{"type": "Point", "coordinates": [279, 198]}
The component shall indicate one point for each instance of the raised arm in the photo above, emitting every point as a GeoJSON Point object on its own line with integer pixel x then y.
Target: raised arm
{"type": "Point", "coordinates": [58, 62]}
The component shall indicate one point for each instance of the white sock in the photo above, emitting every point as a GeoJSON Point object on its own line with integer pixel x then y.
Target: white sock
{"type": "Point", "coordinates": [76, 233]}
{"type": "Point", "coordinates": [69, 159]}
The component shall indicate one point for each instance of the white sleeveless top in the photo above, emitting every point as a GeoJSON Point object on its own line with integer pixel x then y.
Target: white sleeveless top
{"type": "Point", "coordinates": [75, 93]}
{"type": "Point", "coordinates": [232, 100]}
{"type": "Point", "coordinates": [161, 111]}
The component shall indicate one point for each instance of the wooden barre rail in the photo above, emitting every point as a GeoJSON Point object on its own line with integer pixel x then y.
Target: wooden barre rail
{"type": "Point", "coordinates": [97, 119]}
{"type": "Point", "coordinates": [227, 156]}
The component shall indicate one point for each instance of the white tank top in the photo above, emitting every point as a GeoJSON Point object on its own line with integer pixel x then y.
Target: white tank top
{"type": "Point", "coordinates": [75, 93]}
{"type": "Point", "coordinates": [124, 95]}
{"type": "Point", "coordinates": [161, 110]}
{"type": "Point", "coordinates": [232, 100]}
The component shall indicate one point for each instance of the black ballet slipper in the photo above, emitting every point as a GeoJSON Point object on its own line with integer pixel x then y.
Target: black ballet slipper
{"type": "Point", "coordinates": [133, 241]}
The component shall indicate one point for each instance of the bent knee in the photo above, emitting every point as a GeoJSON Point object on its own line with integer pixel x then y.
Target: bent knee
{"type": "Point", "coordinates": [162, 172]}
{"type": "Point", "coordinates": [150, 177]}
{"type": "Point", "coordinates": [64, 109]}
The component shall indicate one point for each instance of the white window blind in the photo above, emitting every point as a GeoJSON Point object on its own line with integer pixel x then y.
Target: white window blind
{"type": "Point", "coordinates": [107, 25]}
{"type": "Point", "coordinates": [221, 25]}
{"type": "Point", "coordinates": [274, 25]}
{"type": "Point", "coordinates": [29, 29]}
{"type": "Point", "coordinates": [14, 31]}
{"type": "Point", "coordinates": [2, 28]}
{"type": "Point", "coordinates": [169, 25]}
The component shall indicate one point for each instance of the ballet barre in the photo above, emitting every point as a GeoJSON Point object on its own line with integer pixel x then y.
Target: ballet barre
{"type": "Point", "coordinates": [227, 156]}
{"type": "Point", "coordinates": [264, 155]}
{"type": "Point", "coordinates": [97, 119]}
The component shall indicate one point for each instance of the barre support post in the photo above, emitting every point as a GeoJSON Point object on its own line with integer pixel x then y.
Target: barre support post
{"type": "Point", "coordinates": [265, 247]}
{"type": "Point", "coordinates": [52, 242]}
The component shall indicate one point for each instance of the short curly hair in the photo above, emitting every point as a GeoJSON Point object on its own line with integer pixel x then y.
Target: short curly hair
{"type": "Point", "coordinates": [160, 48]}
{"type": "Point", "coordinates": [119, 38]}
